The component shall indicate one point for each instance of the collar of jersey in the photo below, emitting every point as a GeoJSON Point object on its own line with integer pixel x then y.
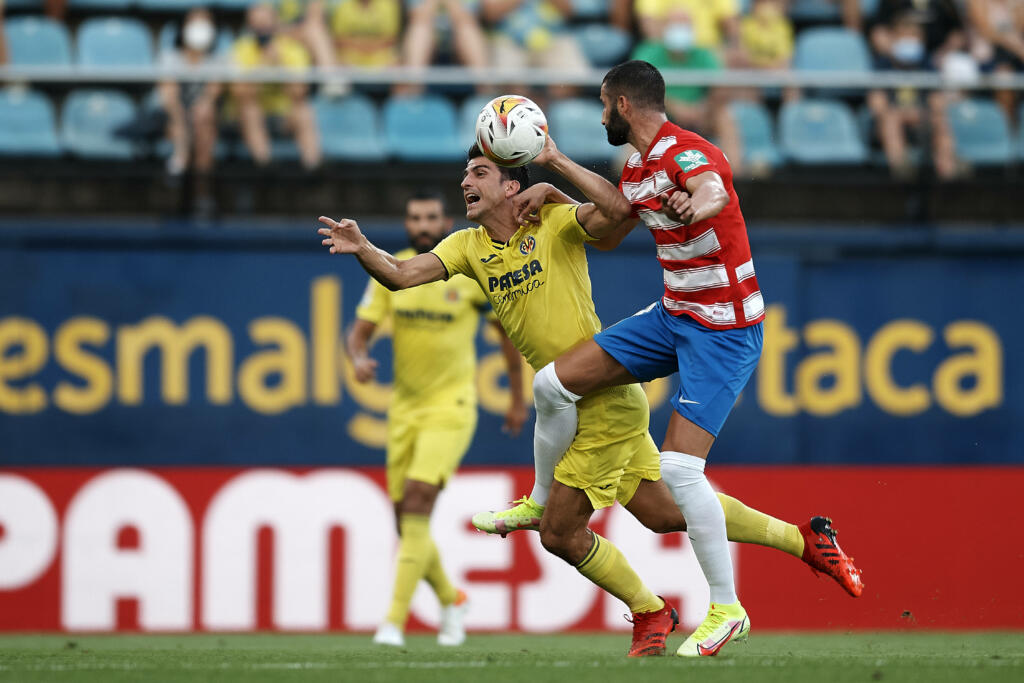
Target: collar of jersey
{"type": "Point", "coordinates": [659, 135]}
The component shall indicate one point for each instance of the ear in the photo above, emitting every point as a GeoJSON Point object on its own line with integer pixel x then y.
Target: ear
{"type": "Point", "coordinates": [513, 185]}
{"type": "Point", "coordinates": [623, 105]}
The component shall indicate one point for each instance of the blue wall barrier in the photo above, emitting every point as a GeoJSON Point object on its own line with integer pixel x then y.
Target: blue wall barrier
{"type": "Point", "coordinates": [156, 348]}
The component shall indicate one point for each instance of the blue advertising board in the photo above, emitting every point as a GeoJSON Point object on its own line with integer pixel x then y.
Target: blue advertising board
{"type": "Point", "coordinates": [224, 350]}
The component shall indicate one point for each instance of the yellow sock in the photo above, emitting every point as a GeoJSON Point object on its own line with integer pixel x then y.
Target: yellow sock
{"type": "Point", "coordinates": [747, 525]}
{"type": "Point", "coordinates": [438, 579]}
{"type": "Point", "coordinates": [411, 564]}
{"type": "Point", "coordinates": [606, 566]}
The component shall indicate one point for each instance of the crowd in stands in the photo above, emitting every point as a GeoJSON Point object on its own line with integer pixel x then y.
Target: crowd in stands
{"type": "Point", "coordinates": [908, 129]}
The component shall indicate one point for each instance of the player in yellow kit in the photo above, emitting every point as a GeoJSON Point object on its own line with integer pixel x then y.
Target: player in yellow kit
{"type": "Point", "coordinates": [433, 410]}
{"type": "Point", "coordinates": [536, 278]}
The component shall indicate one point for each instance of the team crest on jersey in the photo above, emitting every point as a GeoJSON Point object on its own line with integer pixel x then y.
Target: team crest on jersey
{"type": "Point", "coordinates": [691, 159]}
{"type": "Point", "coordinates": [452, 295]}
{"type": "Point", "coordinates": [527, 245]}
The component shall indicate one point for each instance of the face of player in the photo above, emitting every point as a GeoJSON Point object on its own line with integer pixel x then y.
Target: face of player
{"type": "Point", "coordinates": [425, 223]}
{"type": "Point", "coordinates": [483, 188]}
{"type": "Point", "coordinates": [614, 125]}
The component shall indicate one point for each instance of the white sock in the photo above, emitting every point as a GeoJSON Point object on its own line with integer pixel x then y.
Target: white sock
{"type": "Point", "coordinates": [705, 521]}
{"type": "Point", "coordinates": [555, 428]}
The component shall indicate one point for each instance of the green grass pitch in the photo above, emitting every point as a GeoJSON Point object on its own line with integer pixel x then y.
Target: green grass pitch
{"type": "Point", "coordinates": [788, 658]}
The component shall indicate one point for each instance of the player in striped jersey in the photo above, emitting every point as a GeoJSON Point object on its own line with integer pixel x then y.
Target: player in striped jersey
{"type": "Point", "coordinates": [706, 326]}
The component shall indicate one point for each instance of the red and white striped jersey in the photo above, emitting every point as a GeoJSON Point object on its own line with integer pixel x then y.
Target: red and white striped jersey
{"type": "Point", "coordinates": [708, 270]}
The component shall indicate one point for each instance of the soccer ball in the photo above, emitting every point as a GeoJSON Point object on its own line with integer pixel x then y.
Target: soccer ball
{"type": "Point", "coordinates": [511, 130]}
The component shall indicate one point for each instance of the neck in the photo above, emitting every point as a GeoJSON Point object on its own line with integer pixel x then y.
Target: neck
{"type": "Point", "coordinates": [644, 129]}
{"type": "Point", "coordinates": [500, 223]}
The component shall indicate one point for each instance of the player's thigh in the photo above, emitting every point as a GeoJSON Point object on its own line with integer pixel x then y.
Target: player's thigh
{"type": "Point", "coordinates": [401, 445]}
{"type": "Point", "coordinates": [638, 348]}
{"type": "Point", "coordinates": [714, 367]}
{"type": "Point", "coordinates": [441, 442]}
{"type": "Point", "coordinates": [653, 506]}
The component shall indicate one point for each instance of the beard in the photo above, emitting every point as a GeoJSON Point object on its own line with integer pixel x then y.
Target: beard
{"type": "Point", "coordinates": [617, 129]}
{"type": "Point", "coordinates": [423, 242]}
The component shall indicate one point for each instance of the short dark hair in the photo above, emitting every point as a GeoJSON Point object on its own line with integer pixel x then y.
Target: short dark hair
{"type": "Point", "coordinates": [640, 81]}
{"type": "Point", "coordinates": [519, 173]}
{"type": "Point", "coordinates": [428, 195]}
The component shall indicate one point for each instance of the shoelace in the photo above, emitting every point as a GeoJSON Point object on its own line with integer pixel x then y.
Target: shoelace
{"type": "Point", "coordinates": [714, 619]}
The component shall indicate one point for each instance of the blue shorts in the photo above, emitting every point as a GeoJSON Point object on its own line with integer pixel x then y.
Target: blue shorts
{"type": "Point", "coordinates": [713, 365]}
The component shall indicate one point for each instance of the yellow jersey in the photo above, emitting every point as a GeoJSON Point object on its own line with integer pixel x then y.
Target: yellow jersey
{"type": "Point", "coordinates": [433, 332]}
{"type": "Point", "coordinates": [538, 283]}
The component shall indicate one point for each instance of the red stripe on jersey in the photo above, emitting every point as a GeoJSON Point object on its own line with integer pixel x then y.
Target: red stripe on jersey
{"type": "Point", "coordinates": [708, 271]}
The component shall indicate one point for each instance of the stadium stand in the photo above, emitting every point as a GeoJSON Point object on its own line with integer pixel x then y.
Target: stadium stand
{"type": "Point", "coordinates": [758, 138]}
{"type": "Point", "coordinates": [422, 128]}
{"type": "Point", "coordinates": [349, 128]}
{"type": "Point", "coordinates": [114, 41]}
{"type": "Point", "coordinates": [980, 132]}
{"type": "Point", "coordinates": [831, 48]}
{"type": "Point", "coordinates": [820, 132]}
{"type": "Point", "coordinates": [38, 41]}
{"type": "Point", "coordinates": [603, 45]}
{"type": "Point", "coordinates": [89, 121]}
{"type": "Point", "coordinates": [576, 125]}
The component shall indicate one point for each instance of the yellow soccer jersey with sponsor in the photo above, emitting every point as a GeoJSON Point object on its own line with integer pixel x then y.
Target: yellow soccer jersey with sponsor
{"type": "Point", "coordinates": [538, 283]}
{"type": "Point", "coordinates": [539, 286]}
{"type": "Point", "coordinates": [434, 329]}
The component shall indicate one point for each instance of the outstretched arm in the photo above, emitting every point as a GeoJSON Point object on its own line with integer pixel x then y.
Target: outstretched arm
{"type": "Point", "coordinates": [607, 209]}
{"type": "Point", "coordinates": [705, 197]}
{"type": "Point", "coordinates": [358, 342]}
{"type": "Point", "coordinates": [344, 237]}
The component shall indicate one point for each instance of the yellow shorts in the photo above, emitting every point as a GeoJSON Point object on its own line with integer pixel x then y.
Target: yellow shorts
{"type": "Point", "coordinates": [427, 445]}
{"type": "Point", "coordinates": [613, 451]}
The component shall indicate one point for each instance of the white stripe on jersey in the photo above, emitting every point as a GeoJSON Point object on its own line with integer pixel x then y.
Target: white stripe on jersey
{"type": "Point", "coordinates": [696, 279]}
{"type": "Point", "coordinates": [660, 147]}
{"type": "Point", "coordinates": [657, 220]}
{"type": "Point", "coordinates": [753, 306]}
{"type": "Point", "coordinates": [635, 161]}
{"type": "Point", "coordinates": [745, 270]}
{"type": "Point", "coordinates": [721, 313]}
{"type": "Point", "coordinates": [701, 245]}
{"type": "Point", "coordinates": [649, 187]}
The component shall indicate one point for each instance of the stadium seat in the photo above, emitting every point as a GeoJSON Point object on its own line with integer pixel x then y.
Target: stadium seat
{"type": "Point", "coordinates": [89, 120]}
{"type": "Point", "coordinates": [167, 5]}
{"type": "Point", "coordinates": [820, 132]}
{"type": "Point", "coordinates": [831, 48]}
{"type": "Point", "coordinates": [589, 10]}
{"type": "Point", "coordinates": [576, 126]}
{"type": "Point", "coordinates": [422, 129]}
{"type": "Point", "coordinates": [602, 44]}
{"type": "Point", "coordinates": [469, 110]}
{"type": "Point", "coordinates": [755, 127]}
{"type": "Point", "coordinates": [37, 41]}
{"type": "Point", "coordinates": [980, 133]}
{"type": "Point", "coordinates": [232, 4]}
{"type": "Point", "coordinates": [100, 4]}
{"type": "Point", "coordinates": [349, 128]}
{"type": "Point", "coordinates": [868, 8]}
{"type": "Point", "coordinates": [114, 41]}
{"type": "Point", "coordinates": [28, 125]}
{"type": "Point", "coordinates": [814, 11]}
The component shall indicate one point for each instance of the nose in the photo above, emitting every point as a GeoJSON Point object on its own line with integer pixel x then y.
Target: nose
{"type": "Point", "coordinates": [465, 183]}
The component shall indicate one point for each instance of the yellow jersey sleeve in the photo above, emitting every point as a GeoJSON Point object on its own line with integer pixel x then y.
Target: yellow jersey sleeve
{"type": "Point", "coordinates": [453, 253]}
{"type": "Point", "coordinates": [563, 221]}
{"type": "Point", "coordinates": [375, 306]}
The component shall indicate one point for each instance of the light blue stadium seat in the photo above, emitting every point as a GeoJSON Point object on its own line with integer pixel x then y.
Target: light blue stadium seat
{"type": "Point", "coordinates": [114, 41]}
{"type": "Point", "coordinates": [37, 41]}
{"type": "Point", "coordinates": [349, 128]}
{"type": "Point", "coordinates": [100, 4]}
{"type": "Point", "coordinates": [590, 10]}
{"type": "Point", "coordinates": [804, 11]}
{"type": "Point", "coordinates": [422, 129]}
{"type": "Point", "coordinates": [88, 122]}
{"type": "Point", "coordinates": [831, 48]}
{"type": "Point", "coordinates": [603, 45]}
{"type": "Point", "coordinates": [469, 110]}
{"type": "Point", "coordinates": [167, 5]}
{"type": "Point", "coordinates": [820, 132]}
{"type": "Point", "coordinates": [756, 133]}
{"type": "Point", "coordinates": [233, 4]}
{"type": "Point", "coordinates": [980, 132]}
{"type": "Point", "coordinates": [576, 126]}
{"type": "Point", "coordinates": [28, 126]}
{"type": "Point", "coordinates": [868, 8]}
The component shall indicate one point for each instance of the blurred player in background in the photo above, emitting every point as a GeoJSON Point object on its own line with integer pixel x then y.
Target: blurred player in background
{"type": "Point", "coordinates": [538, 282]}
{"type": "Point", "coordinates": [433, 409]}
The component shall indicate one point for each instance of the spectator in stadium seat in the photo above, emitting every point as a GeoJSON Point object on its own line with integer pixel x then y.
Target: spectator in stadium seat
{"type": "Point", "coordinates": [715, 23]}
{"type": "Point", "coordinates": [895, 111]}
{"type": "Point", "coordinates": [306, 22]}
{"type": "Point", "coordinates": [191, 107]}
{"type": "Point", "coordinates": [939, 19]}
{"type": "Point", "coordinates": [697, 108]}
{"type": "Point", "coordinates": [367, 32]}
{"type": "Point", "coordinates": [766, 42]}
{"type": "Point", "coordinates": [997, 42]}
{"type": "Point", "coordinates": [424, 31]}
{"type": "Point", "coordinates": [264, 45]}
{"type": "Point", "coordinates": [531, 33]}
{"type": "Point", "coordinates": [3, 36]}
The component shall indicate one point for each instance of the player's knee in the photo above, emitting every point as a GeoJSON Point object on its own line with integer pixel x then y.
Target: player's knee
{"type": "Point", "coordinates": [557, 543]}
{"type": "Point", "coordinates": [548, 392]}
